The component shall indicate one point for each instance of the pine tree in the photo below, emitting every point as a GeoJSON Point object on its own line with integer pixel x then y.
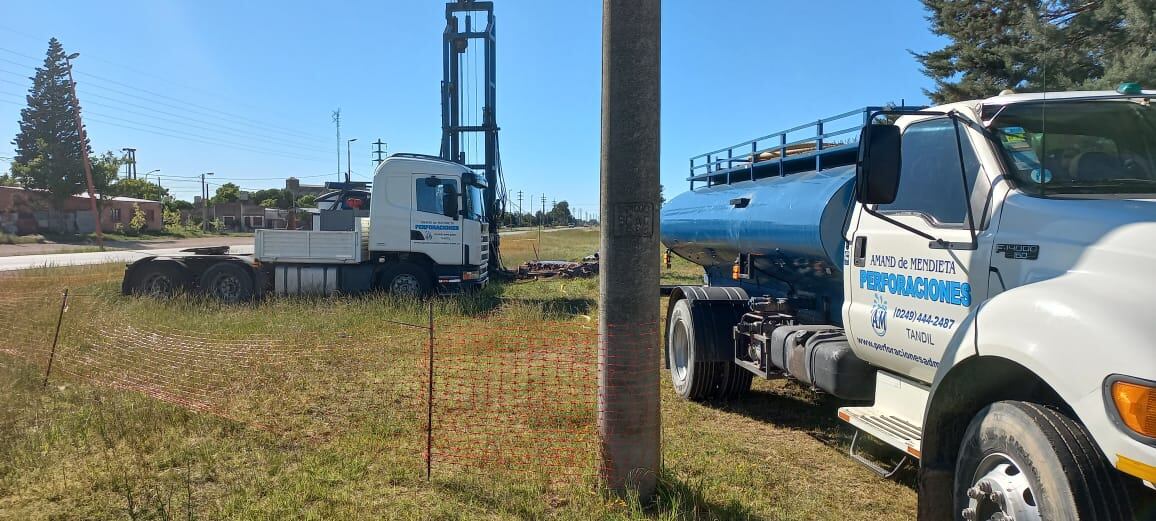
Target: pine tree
{"type": "Point", "coordinates": [1030, 45]}
{"type": "Point", "coordinates": [48, 147]}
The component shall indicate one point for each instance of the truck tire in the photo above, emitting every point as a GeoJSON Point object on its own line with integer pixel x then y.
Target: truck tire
{"type": "Point", "coordinates": [406, 279]}
{"type": "Point", "coordinates": [694, 378]}
{"type": "Point", "coordinates": [1030, 461]}
{"type": "Point", "coordinates": [228, 282]}
{"type": "Point", "coordinates": [734, 381]}
{"type": "Point", "coordinates": [160, 279]}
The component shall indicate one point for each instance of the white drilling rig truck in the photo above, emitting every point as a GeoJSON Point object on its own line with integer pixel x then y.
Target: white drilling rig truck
{"type": "Point", "coordinates": [422, 229]}
{"type": "Point", "coordinates": [976, 280]}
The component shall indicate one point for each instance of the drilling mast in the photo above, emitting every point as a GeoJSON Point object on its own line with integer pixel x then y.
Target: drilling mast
{"type": "Point", "coordinates": [469, 101]}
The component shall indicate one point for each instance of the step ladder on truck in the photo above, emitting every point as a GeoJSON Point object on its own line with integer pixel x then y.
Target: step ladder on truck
{"type": "Point", "coordinates": [974, 279]}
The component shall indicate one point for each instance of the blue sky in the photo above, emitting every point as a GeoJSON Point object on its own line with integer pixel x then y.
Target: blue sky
{"type": "Point", "coordinates": [251, 85]}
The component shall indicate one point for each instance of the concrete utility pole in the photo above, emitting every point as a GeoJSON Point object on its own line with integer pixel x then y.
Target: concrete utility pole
{"type": "Point", "coordinates": [382, 147]}
{"type": "Point", "coordinates": [205, 202]}
{"type": "Point", "coordinates": [628, 351]}
{"type": "Point", "coordinates": [519, 206]}
{"type": "Point", "coordinates": [337, 122]}
{"type": "Point", "coordinates": [129, 162]}
{"type": "Point", "coordinates": [84, 154]}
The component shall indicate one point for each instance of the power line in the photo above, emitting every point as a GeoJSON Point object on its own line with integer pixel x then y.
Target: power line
{"type": "Point", "coordinates": [182, 135]}
{"type": "Point", "coordinates": [242, 119]}
{"type": "Point", "coordinates": [215, 125]}
{"type": "Point", "coordinates": [187, 137]}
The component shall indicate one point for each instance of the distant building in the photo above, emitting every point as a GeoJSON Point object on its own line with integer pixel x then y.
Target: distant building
{"type": "Point", "coordinates": [24, 212]}
{"type": "Point", "coordinates": [294, 186]}
{"type": "Point", "coordinates": [243, 215]}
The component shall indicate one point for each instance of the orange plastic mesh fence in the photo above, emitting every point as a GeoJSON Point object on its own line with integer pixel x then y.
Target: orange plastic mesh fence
{"type": "Point", "coordinates": [521, 399]}
{"type": "Point", "coordinates": [506, 397]}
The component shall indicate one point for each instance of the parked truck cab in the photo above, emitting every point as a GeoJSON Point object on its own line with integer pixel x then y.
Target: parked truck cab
{"type": "Point", "coordinates": [423, 230]}
{"type": "Point", "coordinates": [976, 276]}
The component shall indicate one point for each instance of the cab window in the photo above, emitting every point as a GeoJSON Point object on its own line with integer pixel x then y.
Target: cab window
{"type": "Point", "coordinates": [930, 183]}
{"type": "Point", "coordinates": [431, 197]}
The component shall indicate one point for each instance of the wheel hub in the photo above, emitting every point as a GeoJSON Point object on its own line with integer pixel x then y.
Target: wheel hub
{"type": "Point", "coordinates": [228, 288]}
{"type": "Point", "coordinates": [405, 284]}
{"type": "Point", "coordinates": [1000, 492]}
{"type": "Point", "coordinates": [158, 284]}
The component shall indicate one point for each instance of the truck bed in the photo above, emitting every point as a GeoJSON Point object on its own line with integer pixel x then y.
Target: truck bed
{"type": "Point", "coordinates": [313, 247]}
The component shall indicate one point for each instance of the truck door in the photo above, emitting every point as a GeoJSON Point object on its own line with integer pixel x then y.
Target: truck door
{"type": "Point", "coordinates": [908, 294]}
{"type": "Point", "coordinates": [435, 222]}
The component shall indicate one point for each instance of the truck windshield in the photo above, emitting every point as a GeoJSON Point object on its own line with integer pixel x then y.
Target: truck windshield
{"type": "Point", "coordinates": [1080, 147]}
{"type": "Point", "coordinates": [475, 203]}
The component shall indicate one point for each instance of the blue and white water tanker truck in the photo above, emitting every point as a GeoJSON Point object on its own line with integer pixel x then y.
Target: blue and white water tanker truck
{"type": "Point", "coordinates": [977, 281]}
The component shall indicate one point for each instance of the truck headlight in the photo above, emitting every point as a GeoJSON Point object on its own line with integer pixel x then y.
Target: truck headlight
{"type": "Point", "coordinates": [1135, 403]}
{"type": "Point", "coordinates": [469, 275]}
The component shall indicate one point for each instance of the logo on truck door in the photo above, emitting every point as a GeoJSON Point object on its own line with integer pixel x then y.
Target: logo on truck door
{"type": "Point", "coordinates": [435, 231]}
{"type": "Point", "coordinates": [923, 288]}
{"type": "Point", "coordinates": [879, 315]}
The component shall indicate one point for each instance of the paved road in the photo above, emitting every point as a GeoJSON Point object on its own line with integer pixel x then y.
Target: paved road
{"type": "Point", "coordinates": [24, 262]}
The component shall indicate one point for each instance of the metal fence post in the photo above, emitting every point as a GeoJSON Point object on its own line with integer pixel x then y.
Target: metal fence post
{"type": "Point", "coordinates": [429, 399]}
{"type": "Point", "coordinates": [55, 337]}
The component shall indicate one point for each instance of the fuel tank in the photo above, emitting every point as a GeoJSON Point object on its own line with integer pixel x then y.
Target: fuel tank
{"type": "Point", "coordinates": [793, 226]}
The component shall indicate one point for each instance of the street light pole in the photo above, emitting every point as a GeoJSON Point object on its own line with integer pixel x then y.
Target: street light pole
{"type": "Point", "coordinates": [205, 202]}
{"type": "Point", "coordinates": [158, 183]}
{"type": "Point", "coordinates": [348, 164]}
{"type": "Point", "coordinates": [84, 153]}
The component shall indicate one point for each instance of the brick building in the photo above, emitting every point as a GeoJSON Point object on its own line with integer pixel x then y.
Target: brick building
{"type": "Point", "coordinates": [24, 212]}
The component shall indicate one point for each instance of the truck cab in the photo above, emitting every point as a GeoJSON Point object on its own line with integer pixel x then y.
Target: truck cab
{"type": "Point", "coordinates": [430, 211]}
{"type": "Point", "coordinates": [977, 276]}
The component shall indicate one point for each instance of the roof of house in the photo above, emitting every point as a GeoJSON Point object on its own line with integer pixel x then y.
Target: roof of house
{"type": "Point", "coordinates": [118, 198]}
{"type": "Point", "coordinates": [83, 195]}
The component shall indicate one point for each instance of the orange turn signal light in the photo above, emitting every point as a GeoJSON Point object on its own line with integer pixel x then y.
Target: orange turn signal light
{"type": "Point", "coordinates": [1136, 404]}
{"type": "Point", "coordinates": [735, 272]}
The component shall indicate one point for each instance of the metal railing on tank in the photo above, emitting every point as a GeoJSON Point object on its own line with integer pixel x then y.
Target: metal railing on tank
{"type": "Point", "coordinates": [818, 140]}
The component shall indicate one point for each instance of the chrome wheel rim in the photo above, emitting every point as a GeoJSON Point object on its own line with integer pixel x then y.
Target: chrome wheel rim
{"type": "Point", "coordinates": [1000, 491]}
{"type": "Point", "coordinates": [679, 351]}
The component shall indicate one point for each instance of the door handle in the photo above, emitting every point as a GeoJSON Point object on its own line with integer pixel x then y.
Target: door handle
{"type": "Point", "coordinates": [860, 251]}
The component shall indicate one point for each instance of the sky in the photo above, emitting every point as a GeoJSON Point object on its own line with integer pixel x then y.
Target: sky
{"type": "Point", "coordinates": [247, 89]}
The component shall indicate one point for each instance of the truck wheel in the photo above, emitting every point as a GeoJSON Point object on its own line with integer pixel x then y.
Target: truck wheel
{"type": "Point", "coordinates": [406, 279]}
{"type": "Point", "coordinates": [693, 379]}
{"type": "Point", "coordinates": [160, 279]}
{"type": "Point", "coordinates": [734, 381]}
{"type": "Point", "coordinates": [228, 282]}
{"type": "Point", "coordinates": [1021, 460]}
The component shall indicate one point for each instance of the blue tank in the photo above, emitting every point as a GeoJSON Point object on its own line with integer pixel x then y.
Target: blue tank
{"type": "Point", "coordinates": [792, 226]}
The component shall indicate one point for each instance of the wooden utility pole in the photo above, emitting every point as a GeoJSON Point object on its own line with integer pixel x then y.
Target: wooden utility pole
{"type": "Point", "coordinates": [84, 154]}
{"type": "Point", "coordinates": [628, 352]}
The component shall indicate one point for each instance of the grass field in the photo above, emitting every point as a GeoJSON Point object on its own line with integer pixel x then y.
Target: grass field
{"type": "Point", "coordinates": [310, 408]}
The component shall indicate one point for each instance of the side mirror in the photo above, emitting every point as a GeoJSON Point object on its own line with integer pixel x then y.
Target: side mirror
{"type": "Point", "coordinates": [880, 161]}
{"type": "Point", "coordinates": [450, 203]}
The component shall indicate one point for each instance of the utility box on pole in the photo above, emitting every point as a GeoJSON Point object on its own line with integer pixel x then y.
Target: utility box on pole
{"type": "Point", "coordinates": [628, 353]}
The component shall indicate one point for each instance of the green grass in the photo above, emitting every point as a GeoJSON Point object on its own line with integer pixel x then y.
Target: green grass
{"type": "Point", "coordinates": [8, 238]}
{"type": "Point", "coordinates": [316, 412]}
